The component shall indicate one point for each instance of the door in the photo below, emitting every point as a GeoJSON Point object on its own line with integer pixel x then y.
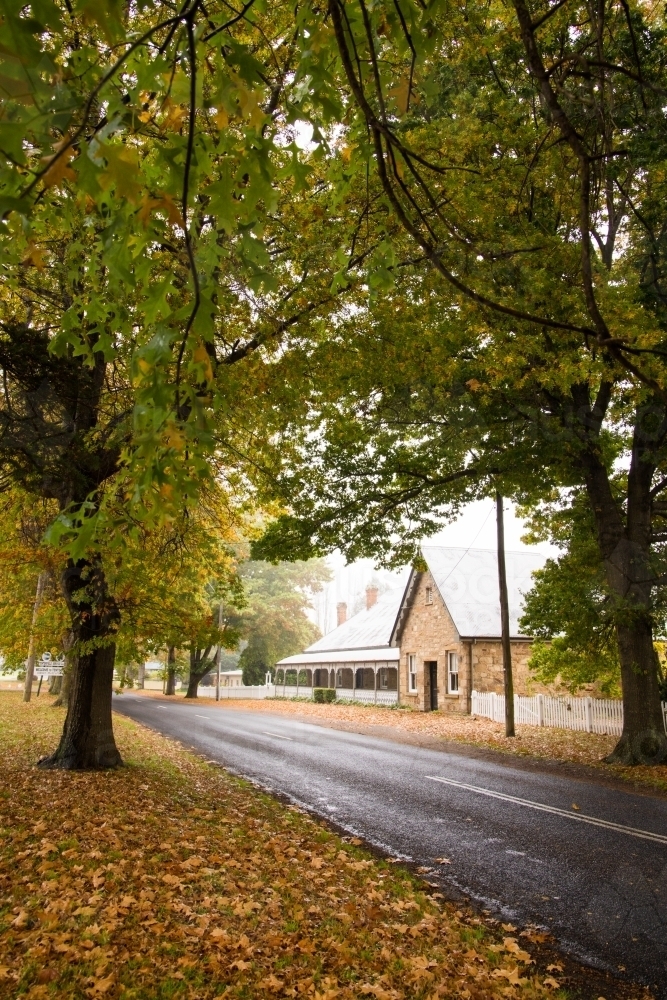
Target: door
{"type": "Point", "coordinates": [433, 683]}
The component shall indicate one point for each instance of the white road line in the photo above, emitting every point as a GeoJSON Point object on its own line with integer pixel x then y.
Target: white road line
{"type": "Point", "coordinates": [277, 736]}
{"type": "Point", "coordinates": [580, 817]}
{"type": "Point", "coordinates": [207, 717]}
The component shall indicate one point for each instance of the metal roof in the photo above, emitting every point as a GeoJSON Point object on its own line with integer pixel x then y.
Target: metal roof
{"type": "Point", "coordinates": [468, 583]}
{"type": "Point", "coordinates": [467, 580]}
{"type": "Point", "coordinates": [366, 636]}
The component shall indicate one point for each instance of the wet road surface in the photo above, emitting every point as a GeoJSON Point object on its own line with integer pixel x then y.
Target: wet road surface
{"type": "Point", "coordinates": [595, 875]}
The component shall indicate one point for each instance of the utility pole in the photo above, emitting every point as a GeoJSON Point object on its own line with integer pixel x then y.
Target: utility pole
{"type": "Point", "coordinates": [505, 620]}
{"type": "Point", "coordinates": [30, 665]}
{"type": "Point", "coordinates": [217, 656]}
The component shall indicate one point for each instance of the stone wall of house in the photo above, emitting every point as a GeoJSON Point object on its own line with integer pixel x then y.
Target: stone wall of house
{"type": "Point", "coordinates": [429, 633]}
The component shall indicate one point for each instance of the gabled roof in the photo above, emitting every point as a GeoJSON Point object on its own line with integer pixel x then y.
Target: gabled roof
{"type": "Point", "coordinates": [467, 580]}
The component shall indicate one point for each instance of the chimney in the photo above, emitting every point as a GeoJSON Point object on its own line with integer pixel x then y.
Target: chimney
{"type": "Point", "coordinates": [341, 611]}
{"type": "Point", "coordinates": [371, 596]}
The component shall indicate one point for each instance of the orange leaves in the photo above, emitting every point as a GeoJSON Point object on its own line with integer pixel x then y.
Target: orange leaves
{"type": "Point", "coordinates": [164, 203]}
{"type": "Point", "coordinates": [161, 911]}
{"type": "Point", "coordinates": [34, 258]}
{"type": "Point", "coordinates": [272, 983]}
{"type": "Point", "coordinates": [59, 169]}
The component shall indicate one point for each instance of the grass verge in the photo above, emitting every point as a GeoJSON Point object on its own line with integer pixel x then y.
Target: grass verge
{"type": "Point", "coordinates": [170, 878]}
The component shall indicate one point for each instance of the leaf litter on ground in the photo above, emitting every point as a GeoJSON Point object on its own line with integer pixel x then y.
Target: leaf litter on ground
{"type": "Point", "coordinates": [170, 878]}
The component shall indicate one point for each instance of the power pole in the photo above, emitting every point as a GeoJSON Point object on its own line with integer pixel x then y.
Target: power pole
{"type": "Point", "coordinates": [218, 656]}
{"type": "Point", "coordinates": [505, 621]}
{"type": "Point", "coordinates": [30, 665]}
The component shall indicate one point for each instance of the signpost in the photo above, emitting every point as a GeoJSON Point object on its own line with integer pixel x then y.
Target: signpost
{"type": "Point", "coordinates": [48, 667]}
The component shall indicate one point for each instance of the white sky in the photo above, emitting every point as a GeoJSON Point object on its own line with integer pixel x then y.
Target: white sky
{"type": "Point", "coordinates": [475, 528]}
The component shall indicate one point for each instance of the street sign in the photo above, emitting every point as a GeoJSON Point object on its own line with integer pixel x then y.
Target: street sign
{"type": "Point", "coordinates": [48, 667]}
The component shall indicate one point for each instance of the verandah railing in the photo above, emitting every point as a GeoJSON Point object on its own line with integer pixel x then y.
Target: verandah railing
{"type": "Point", "coordinates": [589, 715]}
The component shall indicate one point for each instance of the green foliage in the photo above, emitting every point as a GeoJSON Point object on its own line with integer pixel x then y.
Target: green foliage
{"type": "Point", "coordinates": [569, 608]}
{"type": "Point", "coordinates": [322, 695]}
{"type": "Point", "coordinates": [275, 621]}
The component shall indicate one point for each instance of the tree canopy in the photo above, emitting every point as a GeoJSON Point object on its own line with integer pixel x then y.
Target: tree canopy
{"type": "Point", "coordinates": [455, 287]}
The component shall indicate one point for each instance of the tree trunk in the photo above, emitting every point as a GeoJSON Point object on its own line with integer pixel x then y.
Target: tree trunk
{"type": "Point", "coordinates": [87, 740]}
{"type": "Point", "coordinates": [141, 678]}
{"type": "Point", "coordinates": [55, 684]}
{"type": "Point", "coordinates": [30, 665]}
{"type": "Point", "coordinates": [626, 551]}
{"type": "Point", "coordinates": [171, 671]}
{"type": "Point", "coordinates": [505, 621]}
{"type": "Point", "coordinates": [62, 700]}
{"type": "Point", "coordinates": [199, 667]}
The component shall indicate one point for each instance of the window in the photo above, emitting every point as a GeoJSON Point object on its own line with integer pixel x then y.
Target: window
{"type": "Point", "coordinates": [412, 672]}
{"type": "Point", "coordinates": [452, 673]}
{"type": "Point", "coordinates": [429, 595]}
{"type": "Point", "coordinates": [384, 678]}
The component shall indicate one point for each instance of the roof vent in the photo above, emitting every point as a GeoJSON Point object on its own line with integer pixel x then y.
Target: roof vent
{"type": "Point", "coordinates": [341, 612]}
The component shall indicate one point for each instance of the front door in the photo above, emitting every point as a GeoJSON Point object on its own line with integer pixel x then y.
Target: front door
{"type": "Point", "coordinates": [433, 683]}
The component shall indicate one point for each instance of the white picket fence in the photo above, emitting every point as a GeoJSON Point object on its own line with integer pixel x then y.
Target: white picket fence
{"type": "Point", "coordinates": [589, 715]}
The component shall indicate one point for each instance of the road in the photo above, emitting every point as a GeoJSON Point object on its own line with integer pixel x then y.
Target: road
{"type": "Point", "coordinates": [595, 875]}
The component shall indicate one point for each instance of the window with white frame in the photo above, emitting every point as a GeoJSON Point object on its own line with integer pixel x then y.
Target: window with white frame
{"type": "Point", "coordinates": [429, 595]}
{"type": "Point", "coordinates": [452, 673]}
{"type": "Point", "coordinates": [412, 672]}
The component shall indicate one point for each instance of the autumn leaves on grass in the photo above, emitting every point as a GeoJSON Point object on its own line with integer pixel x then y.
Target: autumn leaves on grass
{"type": "Point", "coordinates": [170, 878]}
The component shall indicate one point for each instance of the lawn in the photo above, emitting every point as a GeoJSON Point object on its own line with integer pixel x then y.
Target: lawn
{"type": "Point", "coordinates": [170, 878]}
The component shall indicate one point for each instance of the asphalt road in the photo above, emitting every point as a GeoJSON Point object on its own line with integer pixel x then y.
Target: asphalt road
{"type": "Point", "coordinates": [596, 876]}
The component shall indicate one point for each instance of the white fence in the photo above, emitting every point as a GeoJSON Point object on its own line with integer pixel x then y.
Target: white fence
{"type": "Point", "coordinates": [259, 691]}
{"type": "Point", "coordinates": [589, 715]}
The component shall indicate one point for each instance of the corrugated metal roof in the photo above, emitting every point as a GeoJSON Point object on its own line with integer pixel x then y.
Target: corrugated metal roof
{"type": "Point", "coordinates": [468, 583]}
{"type": "Point", "coordinates": [365, 636]}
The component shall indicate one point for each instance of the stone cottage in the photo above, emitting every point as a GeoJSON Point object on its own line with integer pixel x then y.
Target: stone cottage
{"type": "Point", "coordinates": [448, 627]}
{"type": "Point", "coordinates": [431, 644]}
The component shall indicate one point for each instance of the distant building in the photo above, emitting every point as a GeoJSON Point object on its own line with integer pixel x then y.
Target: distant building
{"type": "Point", "coordinates": [430, 644]}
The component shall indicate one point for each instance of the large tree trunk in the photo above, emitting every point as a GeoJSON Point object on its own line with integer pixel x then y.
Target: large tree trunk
{"type": "Point", "coordinates": [199, 667]}
{"type": "Point", "coordinates": [171, 671]}
{"type": "Point", "coordinates": [625, 546]}
{"type": "Point", "coordinates": [87, 740]}
{"type": "Point", "coordinates": [141, 678]}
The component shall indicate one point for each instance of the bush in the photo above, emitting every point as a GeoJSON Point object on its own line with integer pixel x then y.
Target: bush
{"type": "Point", "coordinates": [322, 695]}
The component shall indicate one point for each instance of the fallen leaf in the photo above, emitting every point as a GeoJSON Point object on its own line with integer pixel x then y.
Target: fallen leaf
{"type": "Point", "coordinates": [551, 982]}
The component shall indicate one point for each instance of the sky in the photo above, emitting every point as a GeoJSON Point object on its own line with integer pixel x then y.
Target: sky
{"type": "Point", "coordinates": [475, 529]}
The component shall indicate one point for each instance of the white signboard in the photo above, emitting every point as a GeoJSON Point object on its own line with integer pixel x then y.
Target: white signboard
{"type": "Point", "coordinates": [48, 667]}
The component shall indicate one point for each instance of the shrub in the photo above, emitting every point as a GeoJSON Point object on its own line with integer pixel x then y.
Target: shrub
{"type": "Point", "coordinates": [322, 695]}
